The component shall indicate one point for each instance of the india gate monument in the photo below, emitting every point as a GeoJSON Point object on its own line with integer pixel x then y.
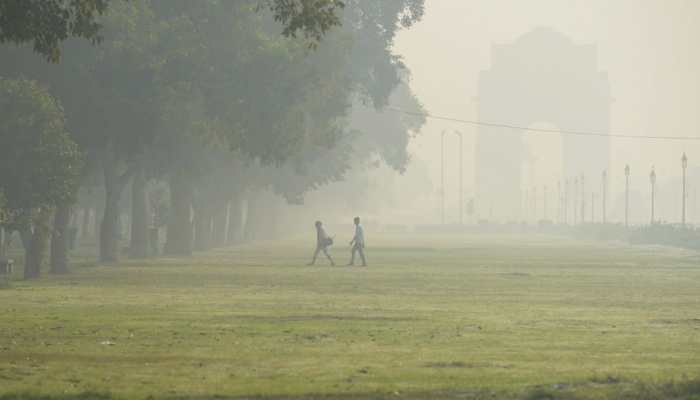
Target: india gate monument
{"type": "Point", "coordinates": [542, 77]}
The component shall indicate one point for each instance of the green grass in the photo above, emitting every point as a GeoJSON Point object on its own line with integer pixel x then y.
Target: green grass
{"type": "Point", "coordinates": [433, 316]}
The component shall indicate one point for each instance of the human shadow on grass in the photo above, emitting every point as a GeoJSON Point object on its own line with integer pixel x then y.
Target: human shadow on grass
{"type": "Point", "coordinates": [620, 389]}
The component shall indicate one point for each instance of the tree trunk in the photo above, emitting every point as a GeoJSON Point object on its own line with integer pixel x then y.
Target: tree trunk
{"type": "Point", "coordinates": [138, 247]}
{"type": "Point", "coordinates": [109, 229]}
{"type": "Point", "coordinates": [251, 220]}
{"type": "Point", "coordinates": [179, 230]}
{"type": "Point", "coordinates": [59, 240]}
{"type": "Point", "coordinates": [219, 225]}
{"type": "Point", "coordinates": [202, 227]}
{"type": "Point", "coordinates": [6, 236]}
{"type": "Point", "coordinates": [273, 209]}
{"type": "Point", "coordinates": [25, 236]}
{"type": "Point", "coordinates": [86, 223]}
{"type": "Point", "coordinates": [97, 221]}
{"type": "Point", "coordinates": [256, 217]}
{"type": "Point", "coordinates": [235, 220]}
{"type": "Point", "coordinates": [109, 238]}
{"type": "Point", "coordinates": [3, 251]}
{"type": "Point", "coordinates": [36, 251]}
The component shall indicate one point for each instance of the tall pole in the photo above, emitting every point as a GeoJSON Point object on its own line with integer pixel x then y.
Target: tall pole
{"type": "Point", "coordinates": [592, 207]}
{"type": "Point", "coordinates": [545, 203]}
{"type": "Point", "coordinates": [526, 206]}
{"type": "Point", "coordinates": [461, 181]}
{"type": "Point", "coordinates": [559, 201]}
{"type": "Point", "coordinates": [575, 205]}
{"type": "Point", "coordinates": [442, 177]}
{"type": "Point", "coordinates": [627, 195]}
{"type": "Point", "coordinates": [652, 180]}
{"type": "Point", "coordinates": [605, 193]}
{"type": "Point", "coordinates": [566, 201]}
{"type": "Point", "coordinates": [583, 201]}
{"type": "Point", "coordinates": [684, 163]}
{"type": "Point", "coordinates": [534, 204]}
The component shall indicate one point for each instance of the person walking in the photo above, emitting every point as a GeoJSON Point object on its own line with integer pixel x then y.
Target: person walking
{"type": "Point", "coordinates": [323, 242]}
{"type": "Point", "coordinates": [358, 243]}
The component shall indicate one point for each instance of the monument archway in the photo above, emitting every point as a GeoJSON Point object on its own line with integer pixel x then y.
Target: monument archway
{"type": "Point", "coordinates": [541, 77]}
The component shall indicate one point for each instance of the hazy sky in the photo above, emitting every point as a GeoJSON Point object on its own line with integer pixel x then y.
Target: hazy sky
{"type": "Point", "coordinates": [648, 48]}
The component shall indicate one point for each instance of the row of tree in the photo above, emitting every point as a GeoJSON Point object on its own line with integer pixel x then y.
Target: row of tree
{"type": "Point", "coordinates": [216, 102]}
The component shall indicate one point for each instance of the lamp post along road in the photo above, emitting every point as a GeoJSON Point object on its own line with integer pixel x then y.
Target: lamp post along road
{"type": "Point", "coordinates": [592, 207]}
{"type": "Point", "coordinates": [442, 177]}
{"type": "Point", "coordinates": [545, 203]}
{"type": "Point", "coordinates": [559, 201]}
{"type": "Point", "coordinates": [684, 163]}
{"type": "Point", "coordinates": [526, 205]}
{"type": "Point", "coordinates": [583, 201]}
{"type": "Point", "coordinates": [627, 195]}
{"type": "Point", "coordinates": [575, 205]}
{"type": "Point", "coordinates": [652, 180]}
{"type": "Point", "coordinates": [461, 180]}
{"type": "Point", "coordinates": [605, 190]}
{"type": "Point", "coordinates": [566, 201]}
{"type": "Point", "coordinates": [534, 203]}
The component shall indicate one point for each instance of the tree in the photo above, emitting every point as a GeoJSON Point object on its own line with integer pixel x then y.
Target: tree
{"type": "Point", "coordinates": [232, 80]}
{"type": "Point", "coordinates": [295, 125]}
{"type": "Point", "coordinates": [47, 23]}
{"type": "Point", "coordinates": [375, 70]}
{"type": "Point", "coordinates": [314, 18]}
{"type": "Point", "coordinates": [39, 163]}
{"type": "Point", "coordinates": [176, 83]}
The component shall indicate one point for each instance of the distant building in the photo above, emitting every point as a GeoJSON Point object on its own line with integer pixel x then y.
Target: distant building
{"type": "Point", "coordinates": [541, 77]}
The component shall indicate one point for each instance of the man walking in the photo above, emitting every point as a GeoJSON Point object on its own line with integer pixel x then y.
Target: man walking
{"type": "Point", "coordinates": [323, 241]}
{"type": "Point", "coordinates": [358, 243]}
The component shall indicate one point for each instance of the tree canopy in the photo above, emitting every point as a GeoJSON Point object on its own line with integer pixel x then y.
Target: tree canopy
{"type": "Point", "coordinates": [47, 23]}
{"type": "Point", "coordinates": [39, 162]}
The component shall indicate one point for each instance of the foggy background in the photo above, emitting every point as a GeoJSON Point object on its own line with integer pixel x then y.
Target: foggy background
{"type": "Point", "coordinates": [638, 67]}
{"type": "Point", "coordinates": [648, 50]}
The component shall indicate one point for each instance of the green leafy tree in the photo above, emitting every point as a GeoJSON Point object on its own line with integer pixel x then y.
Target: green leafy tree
{"type": "Point", "coordinates": [375, 70]}
{"type": "Point", "coordinates": [39, 163]}
{"type": "Point", "coordinates": [176, 82]}
{"type": "Point", "coordinates": [47, 23]}
{"type": "Point", "coordinates": [312, 17]}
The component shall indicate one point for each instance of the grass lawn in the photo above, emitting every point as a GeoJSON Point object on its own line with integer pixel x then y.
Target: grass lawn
{"type": "Point", "coordinates": [432, 317]}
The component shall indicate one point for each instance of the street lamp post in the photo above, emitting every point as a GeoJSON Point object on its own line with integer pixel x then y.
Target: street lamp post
{"type": "Point", "coordinates": [534, 203]}
{"type": "Point", "coordinates": [442, 177]}
{"type": "Point", "coordinates": [652, 180]}
{"type": "Point", "coordinates": [627, 195]}
{"type": "Point", "coordinates": [575, 213]}
{"type": "Point", "coordinates": [684, 163]}
{"type": "Point", "coordinates": [605, 190]}
{"type": "Point", "coordinates": [566, 201]}
{"type": "Point", "coordinates": [526, 205]}
{"type": "Point", "coordinates": [559, 201]}
{"type": "Point", "coordinates": [461, 181]}
{"type": "Point", "coordinates": [592, 207]}
{"type": "Point", "coordinates": [545, 203]}
{"type": "Point", "coordinates": [583, 201]}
